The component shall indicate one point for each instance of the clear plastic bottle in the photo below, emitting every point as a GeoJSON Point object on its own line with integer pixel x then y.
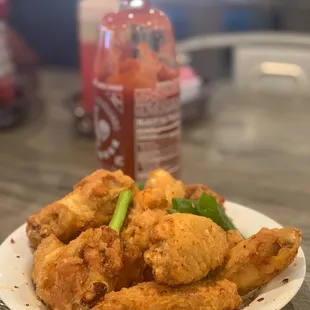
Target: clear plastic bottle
{"type": "Point", "coordinates": [137, 90]}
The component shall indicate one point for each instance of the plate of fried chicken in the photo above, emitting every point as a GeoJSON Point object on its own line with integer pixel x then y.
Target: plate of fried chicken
{"type": "Point", "coordinates": [110, 244]}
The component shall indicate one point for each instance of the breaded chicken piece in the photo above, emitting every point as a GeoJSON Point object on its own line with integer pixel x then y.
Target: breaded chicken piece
{"type": "Point", "coordinates": [77, 275]}
{"type": "Point", "coordinates": [140, 228]}
{"type": "Point", "coordinates": [158, 191]}
{"type": "Point", "coordinates": [256, 261]}
{"type": "Point", "coordinates": [233, 237]}
{"type": "Point", "coordinates": [202, 295]}
{"type": "Point", "coordinates": [90, 205]}
{"type": "Point", "coordinates": [133, 266]}
{"type": "Point", "coordinates": [194, 191]}
{"type": "Point", "coordinates": [149, 207]}
{"type": "Point", "coordinates": [185, 248]}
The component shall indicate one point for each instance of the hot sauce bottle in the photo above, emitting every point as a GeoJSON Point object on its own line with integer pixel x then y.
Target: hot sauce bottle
{"type": "Point", "coordinates": [137, 90]}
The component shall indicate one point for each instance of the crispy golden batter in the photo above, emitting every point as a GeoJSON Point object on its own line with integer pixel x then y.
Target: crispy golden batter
{"type": "Point", "coordinates": [90, 205]}
{"type": "Point", "coordinates": [158, 191]}
{"type": "Point", "coordinates": [162, 179]}
{"type": "Point", "coordinates": [233, 237]}
{"type": "Point", "coordinates": [256, 261]}
{"type": "Point", "coordinates": [140, 228]}
{"type": "Point", "coordinates": [133, 266]}
{"type": "Point", "coordinates": [149, 207]}
{"type": "Point", "coordinates": [77, 275]}
{"type": "Point", "coordinates": [194, 191]}
{"type": "Point", "coordinates": [202, 295]}
{"type": "Point", "coordinates": [185, 248]}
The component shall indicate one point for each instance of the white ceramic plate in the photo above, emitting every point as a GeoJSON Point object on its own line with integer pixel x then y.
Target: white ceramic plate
{"type": "Point", "coordinates": [17, 292]}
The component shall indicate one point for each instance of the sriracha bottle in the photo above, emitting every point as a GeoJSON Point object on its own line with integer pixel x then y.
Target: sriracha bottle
{"type": "Point", "coordinates": [137, 90]}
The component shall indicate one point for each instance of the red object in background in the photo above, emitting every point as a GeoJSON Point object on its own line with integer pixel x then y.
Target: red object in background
{"type": "Point", "coordinates": [3, 9]}
{"type": "Point", "coordinates": [25, 61]}
{"type": "Point", "coordinates": [90, 14]}
{"type": "Point", "coordinates": [18, 80]}
{"type": "Point", "coordinates": [7, 87]}
{"type": "Point", "coordinates": [137, 89]}
{"type": "Point", "coordinates": [22, 55]}
{"type": "Point", "coordinates": [88, 52]}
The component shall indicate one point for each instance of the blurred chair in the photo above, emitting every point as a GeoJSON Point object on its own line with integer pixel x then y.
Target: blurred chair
{"type": "Point", "coordinates": [272, 68]}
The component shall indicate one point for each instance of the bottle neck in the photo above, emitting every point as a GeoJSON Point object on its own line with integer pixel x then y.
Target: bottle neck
{"type": "Point", "coordinates": [134, 4]}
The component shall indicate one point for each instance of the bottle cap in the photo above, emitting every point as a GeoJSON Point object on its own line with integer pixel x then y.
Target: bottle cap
{"type": "Point", "coordinates": [134, 4]}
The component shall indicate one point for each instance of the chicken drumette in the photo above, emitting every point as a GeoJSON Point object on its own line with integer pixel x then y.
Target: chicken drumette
{"type": "Point", "coordinates": [185, 248]}
{"type": "Point", "coordinates": [90, 205]}
{"type": "Point", "coordinates": [150, 206]}
{"type": "Point", "coordinates": [257, 260]}
{"type": "Point", "coordinates": [202, 295]}
{"type": "Point", "coordinates": [77, 275]}
{"type": "Point", "coordinates": [158, 192]}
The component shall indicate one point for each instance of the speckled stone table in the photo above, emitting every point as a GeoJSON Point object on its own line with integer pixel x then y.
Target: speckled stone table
{"type": "Point", "coordinates": [254, 149]}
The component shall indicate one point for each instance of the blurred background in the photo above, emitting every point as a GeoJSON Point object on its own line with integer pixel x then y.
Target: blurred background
{"type": "Point", "coordinates": [53, 33]}
{"type": "Point", "coordinates": [245, 100]}
{"type": "Point", "coordinates": [52, 38]}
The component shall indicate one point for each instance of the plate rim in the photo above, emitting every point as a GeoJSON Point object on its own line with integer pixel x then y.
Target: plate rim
{"type": "Point", "coordinates": [295, 289]}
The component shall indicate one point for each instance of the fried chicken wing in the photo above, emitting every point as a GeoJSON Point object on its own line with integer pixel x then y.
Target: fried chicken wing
{"type": "Point", "coordinates": [256, 261]}
{"type": "Point", "coordinates": [77, 275]}
{"type": "Point", "coordinates": [140, 228]}
{"type": "Point", "coordinates": [149, 207]}
{"type": "Point", "coordinates": [194, 191]}
{"type": "Point", "coordinates": [185, 248]}
{"type": "Point", "coordinates": [158, 191]}
{"type": "Point", "coordinates": [90, 205]}
{"type": "Point", "coordinates": [203, 295]}
{"type": "Point", "coordinates": [162, 179]}
{"type": "Point", "coordinates": [233, 237]}
{"type": "Point", "coordinates": [133, 266]}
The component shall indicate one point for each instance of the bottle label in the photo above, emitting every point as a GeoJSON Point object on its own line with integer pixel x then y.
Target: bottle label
{"type": "Point", "coordinates": [109, 122]}
{"type": "Point", "coordinates": [157, 129]}
{"type": "Point", "coordinates": [142, 134]}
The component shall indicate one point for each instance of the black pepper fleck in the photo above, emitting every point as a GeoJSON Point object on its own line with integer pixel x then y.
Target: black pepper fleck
{"type": "Point", "coordinates": [261, 299]}
{"type": "Point", "coordinates": [285, 281]}
{"type": "Point", "coordinates": [15, 286]}
{"type": "Point", "coordinates": [12, 241]}
{"type": "Point", "coordinates": [27, 305]}
{"type": "Point", "coordinates": [18, 256]}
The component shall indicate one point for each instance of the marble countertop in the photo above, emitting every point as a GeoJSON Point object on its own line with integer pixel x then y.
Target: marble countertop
{"type": "Point", "coordinates": [253, 149]}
